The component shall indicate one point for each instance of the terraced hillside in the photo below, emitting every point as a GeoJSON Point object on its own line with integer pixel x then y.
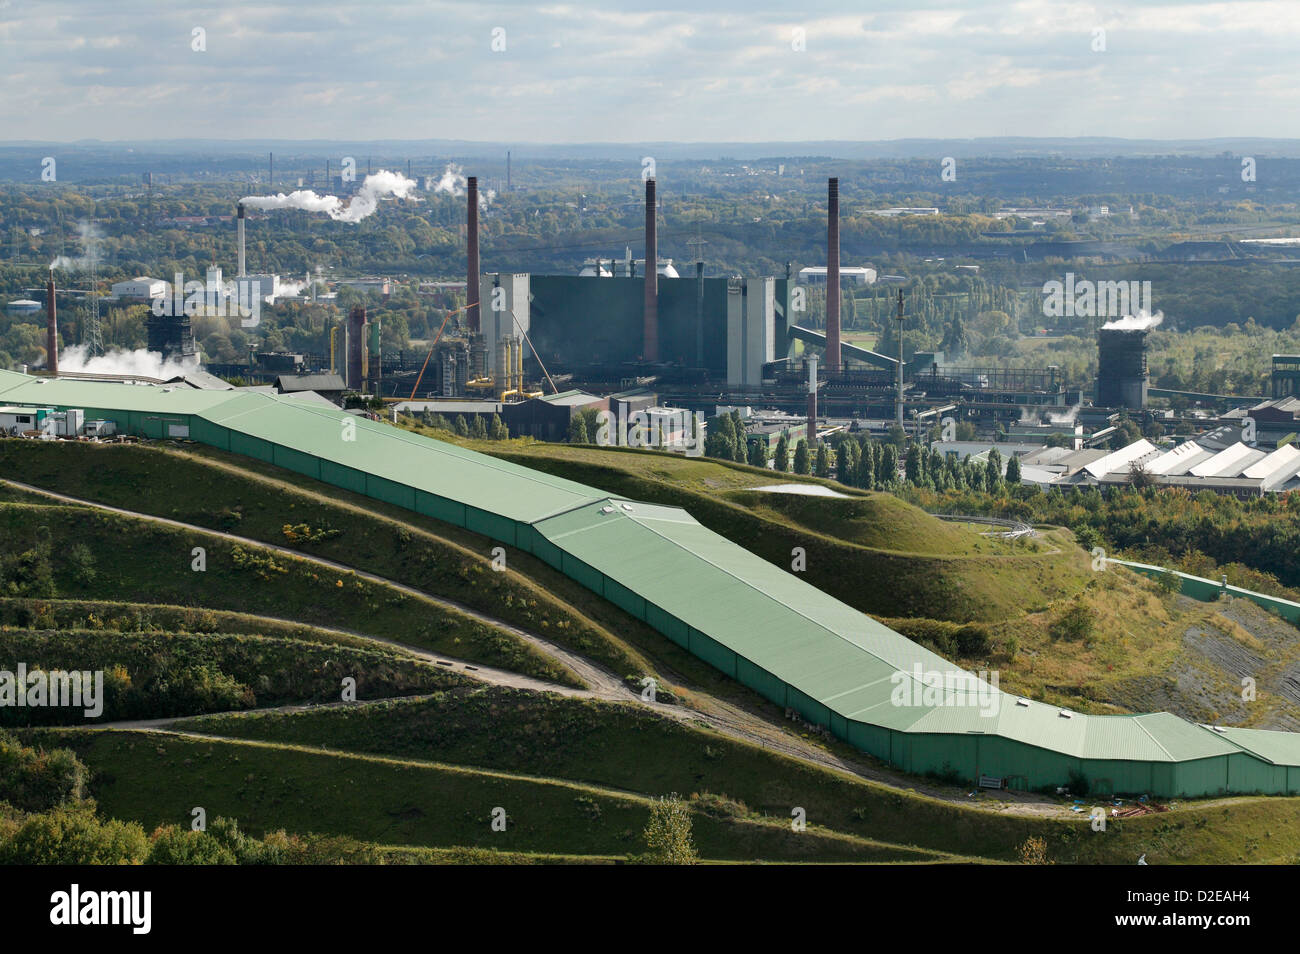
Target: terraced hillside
{"type": "Point", "coordinates": [460, 714]}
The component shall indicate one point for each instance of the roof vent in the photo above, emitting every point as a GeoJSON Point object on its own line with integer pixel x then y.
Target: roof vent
{"type": "Point", "coordinates": [606, 509]}
{"type": "Point", "coordinates": [1023, 702]}
{"type": "Point", "coordinates": [627, 506]}
{"type": "Point", "coordinates": [1066, 715]}
{"type": "Point", "coordinates": [1218, 728]}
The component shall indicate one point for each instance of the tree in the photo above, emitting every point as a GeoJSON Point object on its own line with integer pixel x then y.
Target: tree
{"type": "Point", "coordinates": [912, 465]}
{"type": "Point", "coordinates": [783, 453]}
{"type": "Point", "coordinates": [993, 472]}
{"type": "Point", "coordinates": [498, 430]}
{"type": "Point", "coordinates": [823, 461]}
{"type": "Point", "coordinates": [866, 471]}
{"type": "Point", "coordinates": [668, 833]}
{"type": "Point", "coordinates": [757, 453]}
{"type": "Point", "coordinates": [801, 463]}
{"type": "Point", "coordinates": [1139, 478]}
{"type": "Point", "coordinates": [578, 431]}
{"type": "Point", "coordinates": [739, 449]}
{"type": "Point", "coordinates": [1013, 470]}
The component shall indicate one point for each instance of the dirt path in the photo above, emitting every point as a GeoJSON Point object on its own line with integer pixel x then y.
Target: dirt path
{"type": "Point", "coordinates": [723, 717]}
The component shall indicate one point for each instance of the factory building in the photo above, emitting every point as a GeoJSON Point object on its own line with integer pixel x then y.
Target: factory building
{"type": "Point", "coordinates": [1122, 378]}
{"type": "Point", "coordinates": [729, 328]}
{"type": "Point", "coordinates": [853, 275]}
{"type": "Point", "coordinates": [142, 288]}
{"type": "Point", "coordinates": [752, 620]}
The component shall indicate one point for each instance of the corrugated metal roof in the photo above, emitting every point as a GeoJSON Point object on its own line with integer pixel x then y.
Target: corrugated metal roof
{"type": "Point", "coordinates": [825, 649]}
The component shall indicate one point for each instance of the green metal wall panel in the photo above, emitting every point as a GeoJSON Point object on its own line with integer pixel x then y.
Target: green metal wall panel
{"type": "Point", "coordinates": [490, 525]}
{"type": "Point", "coordinates": [440, 508]}
{"type": "Point", "coordinates": [761, 681]}
{"type": "Point", "coordinates": [809, 708]}
{"type": "Point", "coordinates": [667, 624]}
{"type": "Point", "coordinates": [251, 447]}
{"type": "Point", "coordinates": [341, 476]}
{"type": "Point", "coordinates": [588, 577]}
{"type": "Point", "coordinates": [625, 599]}
{"type": "Point", "coordinates": [713, 652]}
{"type": "Point", "coordinates": [205, 432]}
{"type": "Point", "coordinates": [297, 461]}
{"type": "Point", "coordinates": [391, 492]}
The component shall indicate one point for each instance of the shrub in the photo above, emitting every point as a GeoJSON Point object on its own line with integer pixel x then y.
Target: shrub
{"type": "Point", "coordinates": [74, 836]}
{"type": "Point", "coordinates": [1078, 622]}
{"type": "Point", "coordinates": [668, 833]}
{"type": "Point", "coordinates": [34, 780]}
{"type": "Point", "coordinates": [172, 845]}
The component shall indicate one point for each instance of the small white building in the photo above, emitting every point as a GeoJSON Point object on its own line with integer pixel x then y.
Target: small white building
{"type": "Point", "coordinates": [141, 287]}
{"type": "Point", "coordinates": [855, 275]}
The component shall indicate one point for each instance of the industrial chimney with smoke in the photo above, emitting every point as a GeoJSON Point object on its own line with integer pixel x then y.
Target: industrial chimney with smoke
{"type": "Point", "coordinates": [651, 275]}
{"type": "Point", "coordinates": [473, 318]}
{"type": "Point", "coordinates": [833, 275]}
{"type": "Point", "coordinates": [52, 329]}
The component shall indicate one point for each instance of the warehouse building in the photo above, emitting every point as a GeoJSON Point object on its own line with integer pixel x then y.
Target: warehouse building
{"type": "Point", "coordinates": [759, 624]}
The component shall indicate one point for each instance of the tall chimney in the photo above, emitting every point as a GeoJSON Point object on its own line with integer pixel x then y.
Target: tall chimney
{"type": "Point", "coordinates": [52, 329]}
{"type": "Point", "coordinates": [812, 400]}
{"type": "Point", "coordinates": [239, 218]}
{"type": "Point", "coordinates": [356, 343]}
{"type": "Point", "coordinates": [833, 275]}
{"type": "Point", "coordinates": [471, 282]}
{"type": "Point", "coordinates": [651, 275]}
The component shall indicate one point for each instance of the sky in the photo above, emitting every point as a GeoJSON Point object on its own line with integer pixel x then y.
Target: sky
{"type": "Point", "coordinates": [621, 71]}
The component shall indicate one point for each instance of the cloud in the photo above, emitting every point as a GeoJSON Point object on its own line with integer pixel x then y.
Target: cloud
{"type": "Point", "coordinates": [408, 69]}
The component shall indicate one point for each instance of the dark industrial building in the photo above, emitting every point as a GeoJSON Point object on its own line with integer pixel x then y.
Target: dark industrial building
{"type": "Point", "coordinates": [1122, 378]}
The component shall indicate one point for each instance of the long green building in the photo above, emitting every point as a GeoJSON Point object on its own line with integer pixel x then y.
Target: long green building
{"type": "Point", "coordinates": [759, 624]}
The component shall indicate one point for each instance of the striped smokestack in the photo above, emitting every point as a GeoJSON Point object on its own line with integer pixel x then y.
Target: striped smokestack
{"type": "Point", "coordinates": [651, 275]}
{"type": "Point", "coordinates": [471, 278]}
{"type": "Point", "coordinates": [833, 275]}
{"type": "Point", "coordinates": [52, 329]}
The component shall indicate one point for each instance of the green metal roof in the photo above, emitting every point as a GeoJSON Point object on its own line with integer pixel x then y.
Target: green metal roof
{"type": "Point", "coordinates": [433, 466]}
{"type": "Point", "coordinates": [825, 649]}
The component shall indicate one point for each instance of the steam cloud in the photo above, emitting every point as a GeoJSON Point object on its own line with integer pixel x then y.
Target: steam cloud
{"type": "Point", "coordinates": [146, 364]}
{"type": "Point", "coordinates": [454, 183]}
{"type": "Point", "coordinates": [375, 187]}
{"type": "Point", "coordinates": [1142, 321]}
{"type": "Point", "coordinates": [90, 237]}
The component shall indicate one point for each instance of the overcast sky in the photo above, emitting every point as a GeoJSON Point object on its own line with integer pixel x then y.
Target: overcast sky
{"type": "Point", "coordinates": [621, 71]}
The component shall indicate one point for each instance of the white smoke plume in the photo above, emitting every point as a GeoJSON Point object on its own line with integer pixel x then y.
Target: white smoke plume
{"type": "Point", "coordinates": [147, 364]}
{"type": "Point", "coordinates": [1142, 321]}
{"type": "Point", "coordinates": [90, 237]}
{"type": "Point", "coordinates": [379, 185]}
{"type": "Point", "coordinates": [454, 183]}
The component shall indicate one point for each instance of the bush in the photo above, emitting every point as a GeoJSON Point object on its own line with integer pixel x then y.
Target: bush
{"type": "Point", "coordinates": [74, 836]}
{"type": "Point", "coordinates": [668, 833]}
{"type": "Point", "coordinates": [172, 845]}
{"type": "Point", "coordinates": [1077, 623]}
{"type": "Point", "coordinates": [34, 780]}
